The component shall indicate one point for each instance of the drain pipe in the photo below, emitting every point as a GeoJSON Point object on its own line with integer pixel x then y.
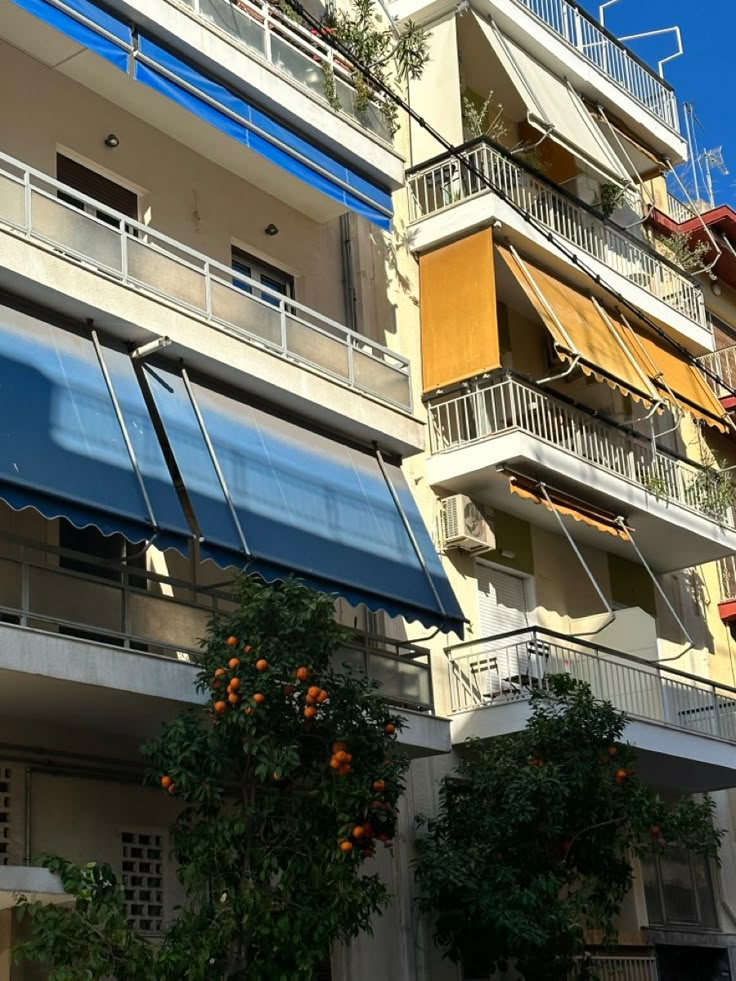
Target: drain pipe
{"type": "Point", "coordinates": [583, 563]}
{"type": "Point", "coordinates": [348, 274]}
{"type": "Point", "coordinates": [27, 815]}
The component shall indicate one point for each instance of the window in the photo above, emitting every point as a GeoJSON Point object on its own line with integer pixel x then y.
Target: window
{"type": "Point", "coordinates": [95, 186]}
{"type": "Point", "coordinates": [143, 880]}
{"type": "Point", "coordinates": [269, 276]}
{"type": "Point", "coordinates": [679, 889]}
{"type": "Point", "coordinates": [4, 815]}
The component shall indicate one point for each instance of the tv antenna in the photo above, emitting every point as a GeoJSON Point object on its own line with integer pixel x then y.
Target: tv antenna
{"type": "Point", "coordinates": [709, 161]}
{"type": "Point", "coordinates": [635, 37]}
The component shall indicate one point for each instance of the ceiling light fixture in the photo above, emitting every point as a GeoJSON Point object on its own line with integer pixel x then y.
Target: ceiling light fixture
{"type": "Point", "coordinates": [112, 141]}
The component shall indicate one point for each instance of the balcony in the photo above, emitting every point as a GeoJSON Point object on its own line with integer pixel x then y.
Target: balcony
{"type": "Point", "coordinates": [446, 184]}
{"type": "Point", "coordinates": [683, 726]}
{"type": "Point", "coordinates": [91, 261]}
{"type": "Point", "coordinates": [120, 631]}
{"type": "Point", "coordinates": [508, 425]}
{"type": "Point", "coordinates": [609, 56]}
{"type": "Point", "coordinates": [723, 364]}
{"type": "Point", "coordinates": [621, 968]}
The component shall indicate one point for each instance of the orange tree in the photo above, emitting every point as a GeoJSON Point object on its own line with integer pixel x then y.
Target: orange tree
{"type": "Point", "coordinates": [286, 779]}
{"type": "Point", "coordinates": [535, 835]}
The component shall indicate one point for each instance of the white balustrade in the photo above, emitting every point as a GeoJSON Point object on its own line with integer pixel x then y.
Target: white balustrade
{"type": "Point", "coordinates": [82, 230]}
{"type": "Point", "coordinates": [510, 404]}
{"type": "Point", "coordinates": [448, 182]}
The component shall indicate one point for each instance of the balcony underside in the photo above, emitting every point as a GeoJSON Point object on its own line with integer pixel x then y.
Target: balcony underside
{"type": "Point", "coordinates": [38, 885]}
{"type": "Point", "coordinates": [122, 692]}
{"type": "Point", "coordinates": [478, 471]}
{"type": "Point", "coordinates": [667, 758]}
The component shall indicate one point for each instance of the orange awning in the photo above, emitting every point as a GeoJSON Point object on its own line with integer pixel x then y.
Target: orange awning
{"type": "Point", "coordinates": [579, 330]}
{"type": "Point", "coordinates": [567, 506]}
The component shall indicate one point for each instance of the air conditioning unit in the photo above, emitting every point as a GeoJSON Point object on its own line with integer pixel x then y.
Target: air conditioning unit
{"type": "Point", "coordinates": [465, 526]}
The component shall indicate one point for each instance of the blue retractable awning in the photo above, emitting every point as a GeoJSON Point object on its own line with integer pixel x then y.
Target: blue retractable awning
{"type": "Point", "coordinates": [165, 73]}
{"type": "Point", "coordinates": [76, 438]}
{"type": "Point", "coordinates": [281, 499]}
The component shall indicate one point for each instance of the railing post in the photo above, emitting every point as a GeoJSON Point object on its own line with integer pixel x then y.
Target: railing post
{"type": "Point", "coordinates": [282, 325]}
{"type": "Point", "coordinates": [267, 33]}
{"type": "Point", "coordinates": [25, 588]}
{"type": "Point", "coordinates": [716, 713]}
{"type": "Point", "coordinates": [351, 363]}
{"type": "Point", "coordinates": [27, 206]}
{"type": "Point", "coordinates": [207, 273]}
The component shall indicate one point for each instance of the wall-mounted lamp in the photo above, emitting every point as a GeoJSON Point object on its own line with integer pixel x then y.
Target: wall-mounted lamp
{"type": "Point", "coordinates": [271, 229]}
{"type": "Point", "coordinates": [716, 287]}
{"type": "Point", "coordinates": [112, 141]}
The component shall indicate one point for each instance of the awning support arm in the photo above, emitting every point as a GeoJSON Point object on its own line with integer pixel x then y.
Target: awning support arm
{"type": "Point", "coordinates": [611, 327]}
{"type": "Point", "coordinates": [408, 529]}
{"type": "Point", "coordinates": [658, 586]}
{"type": "Point", "coordinates": [583, 563]}
{"type": "Point", "coordinates": [123, 428]}
{"type": "Point", "coordinates": [215, 462]}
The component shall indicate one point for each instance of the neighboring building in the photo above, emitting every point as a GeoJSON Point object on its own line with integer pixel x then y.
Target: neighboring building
{"type": "Point", "coordinates": [209, 344]}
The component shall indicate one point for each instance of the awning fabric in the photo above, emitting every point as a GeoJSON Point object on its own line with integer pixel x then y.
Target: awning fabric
{"type": "Point", "coordinates": [62, 445]}
{"type": "Point", "coordinates": [566, 507]}
{"type": "Point", "coordinates": [598, 341]}
{"type": "Point", "coordinates": [158, 69]}
{"type": "Point", "coordinates": [305, 504]}
{"type": "Point", "coordinates": [673, 376]}
{"type": "Point", "coordinates": [551, 102]}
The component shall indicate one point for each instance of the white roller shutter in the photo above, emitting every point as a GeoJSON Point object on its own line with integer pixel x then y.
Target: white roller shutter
{"type": "Point", "coordinates": [501, 601]}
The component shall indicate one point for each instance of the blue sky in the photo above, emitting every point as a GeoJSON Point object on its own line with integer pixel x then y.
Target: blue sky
{"type": "Point", "coordinates": [704, 75]}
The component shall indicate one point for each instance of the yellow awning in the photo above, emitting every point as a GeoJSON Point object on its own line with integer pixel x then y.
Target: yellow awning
{"type": "Point", "coordinates": [578, 329]}
{"type": "Point", "coordinates": [567, 507]}
{"type": "Point", "coordinates": [678, 381]}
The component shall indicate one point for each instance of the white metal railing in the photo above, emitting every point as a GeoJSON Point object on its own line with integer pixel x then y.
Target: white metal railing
{"type": "Point", "coordinates": [446, 182]}
{"type": "Point", "coordinates": [620, 968]}
{"type": "Point", "coordinates": [81, 229]}
{"type": "Point", "coordinates": [723, 364]}
{"type": "Point", "coordinates": [678, 210]}
{"type": "Point", "coordinates": [506, 668]}
{"type": "Point", "coordinates": [294, 50]}
{"type": "Point", "coordinates": [609, 55]}
{"type": "Point", "coordinates": [727, 573]}
{"type": "Point", "coordinates": [60, 591]}
{"type": "Point", "coordinates": [509, 404]}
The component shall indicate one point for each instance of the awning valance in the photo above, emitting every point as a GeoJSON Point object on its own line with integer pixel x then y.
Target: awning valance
{"type": "Point", "coordinates": [275, 497]}
{"type": "Point", "coordinates": [76, 438]}
{"type": "Point", "coordinates": [579, 329]}
{"type": "Point", "coordinates": [553, 106]}
{"type": "Point", "coordinates": [567, 507]}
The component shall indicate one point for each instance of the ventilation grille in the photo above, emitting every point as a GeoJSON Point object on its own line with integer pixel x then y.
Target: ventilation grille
{"type": "Point", "coordinates": [143, 880]}
{"type": "Point", "coordinates": [4, 815]}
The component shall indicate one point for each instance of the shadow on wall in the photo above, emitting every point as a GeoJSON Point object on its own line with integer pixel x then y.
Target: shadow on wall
{"type": "Point", "coordinates": [690, 597]}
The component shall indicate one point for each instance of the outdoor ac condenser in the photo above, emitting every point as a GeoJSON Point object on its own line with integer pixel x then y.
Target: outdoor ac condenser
{"type": "Point", "coordinates": [464, 526]}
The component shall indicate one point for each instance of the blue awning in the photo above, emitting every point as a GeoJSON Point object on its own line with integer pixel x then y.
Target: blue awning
{"type": "Point", "coordinates": [76, 437]}
{"type": "Point", "coordinates": [280, 499]}
{"type": "Point", "coordinates": [157, 68]}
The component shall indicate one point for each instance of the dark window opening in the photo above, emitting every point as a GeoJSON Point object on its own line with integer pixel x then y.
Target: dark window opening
{"type": "Point", "coordinates": [269, 276]}
{"type": "Point", "coordinates": [678, 886]}
{"type": "Point", "coordinates": [95, 186]}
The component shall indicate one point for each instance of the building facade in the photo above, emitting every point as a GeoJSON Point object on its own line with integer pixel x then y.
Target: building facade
{"type": "Point", "coordinates": [240, 324]}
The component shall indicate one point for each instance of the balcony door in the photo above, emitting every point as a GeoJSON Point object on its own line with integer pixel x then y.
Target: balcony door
{"type": "Point", "coordinates": [509, 665]}
{"type": "Point", "coordinates": [102, 189]}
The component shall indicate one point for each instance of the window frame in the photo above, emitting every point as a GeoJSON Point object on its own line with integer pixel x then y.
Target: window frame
{"type": "Point", "coordinates": [260, 271]}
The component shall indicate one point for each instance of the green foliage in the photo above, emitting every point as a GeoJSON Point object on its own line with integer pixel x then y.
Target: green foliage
{"type": "Point", "coordinates": [688, 257]}
{"type": "Point", "coordinates": [535, 836]}
{"type": "Point", "coordinates": [269, 808]}
{"type": "Point", "coordinates": [612, 198]}
{"type": "Point", "coordinates": [713, 492]}
{"type": "Point", "coordinates": [480, 122]}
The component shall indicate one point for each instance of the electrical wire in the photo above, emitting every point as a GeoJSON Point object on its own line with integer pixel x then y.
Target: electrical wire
{"type": "Point", "coordinates": [379, 85]}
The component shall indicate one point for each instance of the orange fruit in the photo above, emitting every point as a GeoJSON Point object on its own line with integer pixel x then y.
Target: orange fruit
{"type": "Point", "coordinates": [231, 641]}
{"type": "Point", "coordinates": [219, 707]}
{"type": "Point", "coordinates": [379, 786]}
{"type": "Point", "coordinates": [612, 751]}
{"type": "Point", "coordinates": [276, 775]}
{"type": "Point", "coordinates": [233, 698]}
{"type": "Point", "coordinates": [313, 691]}
{"type": "Point", "coordinates": [336, 747]}
{"type": "Point", "coordinates": [289, 690]}
{"type": "Point", "coordinates": [309, 700]}
{"type": "Point", "coordinates": [259, 698]}
{"type": "Point", "coordinates": [334, 763]}
{"type": "Point", "coordinates": [389, 729]}
{"type": "Point", "coordinates": [358, 831]}
{"type": "Point", "coordinates": [301, 674]}
{"type": "Point", "coordinates": [216, 686]}
{"type": "Point", "coordinates": [346, 846]}
{"type": "Point", "coordinates": [233, 663]}
{"type": "Point", "coordinates": [368, 830]}
{"type": "Point", "coordinates": [322, 697]}
{"type": "Point", "coordinates": [309, 712]}
{"type": "Point", "coordinates": [262, 664]}
{"type": "Point", "coordinates": [621, 775]}
{"type": "Point", "coordinates": [248, 710]}
{"type": "Point", "coordinates": [348, 758]}
{"type": "Point", "coordinates": [219, 672]}
{"type": "Point", "coordinates": [247, 649]}
{"type": "Point", "coordinates": [172, 789]}
{"type": "Point", "coordinates": [234, 684]}
{"type": "Point", "coordinates": [344, 769]}
{"type": "Point", "coordinates": [166, 782]}
{"type": "Point", "coordinates": [341, 756]}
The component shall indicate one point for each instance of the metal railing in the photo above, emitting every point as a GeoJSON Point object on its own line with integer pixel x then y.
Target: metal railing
{"type": "Point", "coordinates": [727, 574]}
{"type": "Point", "coordinates": [609, 55]}
{"type": "Point", "coordinates": [60, 591]}
{"type": "Point", "coordinates": [295, 51]}
{"type": "Point", "coordinates": [620, 968]}
{"type": "Point", "coordinates": [723, 364]}
{"type": "Point", "coordinates": [678, 210]}
{"type": "Point", "coordinates": [508, 667]}
{"type": "Point", "coordinates": [446, 182]}
{"type": "Point", "coordinates": [81, 229]}
{"type": "Point", "coordinates": [507, 404]}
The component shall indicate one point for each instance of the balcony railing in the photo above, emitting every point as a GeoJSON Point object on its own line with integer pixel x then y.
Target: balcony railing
{"type": "Point", "coordinates": [609, 55]}
{"type": "Point", "coordinates": [727, 574]}
{"type": "Point", "coordinates": [64, 220]}
{"type": "Point", "coordinates": [678, 210]}
{"type": "Point", "coordinates": [620, 968]}
{"type": "Point", "coordinates": [508, 667]}
{"type": "Point", "coordinates": [60, 591]}
{"type": "Point", "coordinates": [300, 54]}
{"type": "Point", "coordinates": [723, 364]}
{"type": "Point", "coordinates": [508, 404]}
{"type": "Point", "coordinates": [446, 182]}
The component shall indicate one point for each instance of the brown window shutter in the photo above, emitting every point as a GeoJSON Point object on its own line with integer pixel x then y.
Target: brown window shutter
{"type": "Point", "coordinates": [96, 186]}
